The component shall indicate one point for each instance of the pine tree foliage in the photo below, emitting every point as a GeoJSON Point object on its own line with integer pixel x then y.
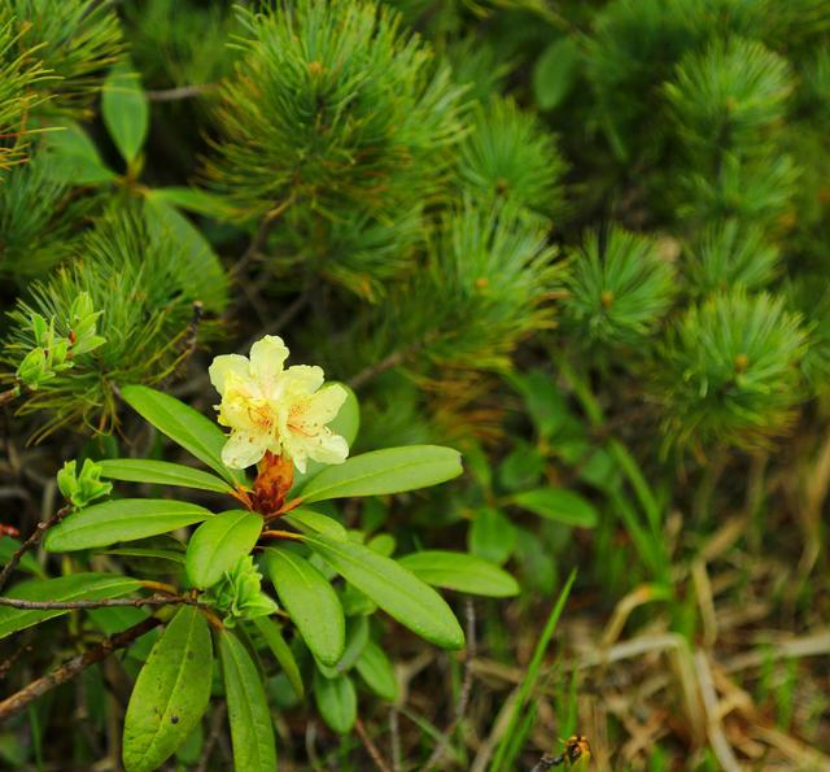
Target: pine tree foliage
{"type": "Point", "coordinates": [180, 43]}
{"type": "Point", "coordinates": [333, 106]}
{"type": "Point", "coordinates": [19, 75]}
{"type": "Point", "coordinates": [75, 41]}
{"type": "Point", "coordinates": [728, 95]}
{"type": "Point", "coordinates": [730, 372]}
{"type": "Point", "coordinates": [727, 255]}
{"type": "Point", "coordinates": [138, 277]}
{"type": "Point", "coordinates": [507, 156]}
{"type": "Point", "coordinates": [36, 216]}
{"type": "Point", "coordinates": [619, 287]}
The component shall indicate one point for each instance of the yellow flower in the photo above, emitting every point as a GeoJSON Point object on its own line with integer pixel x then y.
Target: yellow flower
{"type": "Point", "coordinates": [268, 408]}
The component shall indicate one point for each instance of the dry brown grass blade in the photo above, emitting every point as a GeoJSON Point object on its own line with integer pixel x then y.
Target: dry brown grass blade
{"type": "Point", "coordinates": [715, 732]}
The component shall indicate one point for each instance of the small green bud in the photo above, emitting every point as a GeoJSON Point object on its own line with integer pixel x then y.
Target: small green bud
{"type": "Point", "coordinates": [83, 489]}
{"type": "Point", "coordinates": [34, 369]}
{"type": "Point", "coordinates": [40, 328]}
{"type": "Point", "coordinates": [239, 595]}
{"type": "Point", "coordinates": [68, 480]}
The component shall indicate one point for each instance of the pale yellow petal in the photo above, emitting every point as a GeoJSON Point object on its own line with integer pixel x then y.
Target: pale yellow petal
{"type": "Point", "coordinates": [324, 405]}
{"type": "Point", "coordinates": [267, 358]}
{"type": "Point", "coordinates": [227, 366]}
{"type": "Point", "coordinates": [244, 449]}
{"type": "Point", "coordinates": [299, 380]}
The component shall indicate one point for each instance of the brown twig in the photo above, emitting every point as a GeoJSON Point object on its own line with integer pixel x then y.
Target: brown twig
{"type": "Point", "coordinates": [32, 542]}
{"type": "Point", "coordinates": [217, 721]}
{"type": "Point", "coordinates": [150, 601]}
{"type": "Point", "coordinates": [66, 671]}
{"type": "Point", "coordinates": [464, 692]}
{"type": "Point", "coordinates": [180, 92]}
{"type": "Point", "coordinates": [9, 395]}
{"type": "Point", "coordinates": [371, 748]}
{"type": "Point", "coordinates": [367, 374]}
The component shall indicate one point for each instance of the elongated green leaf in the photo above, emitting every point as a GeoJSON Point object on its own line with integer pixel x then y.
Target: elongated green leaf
{"type": "Point", "coordinates": [177, 556]}
{"type": "Point", "coordinates": [163, 473]}
{"type": "Point", "coordinates": [122, 520]}
{"type": "Point", "coordinates": [125, 111]}
{"type": "Point", "coordinates": [357, 636]}
{"type": "Point", "coordinates": [462, 572]}
{"type": "Point", "coordinates": [492, 536]}
{"type": "Point", "coordinates": [194, 200]}
{"type": "Point", "coordinates": [390, 471]}
{"type": "Point", "coordinates": [28, 563]}
{"type": "Point", "coordinates": [74, 159]}
{"type": "Point", "coordinates": [311, 602]}
{"type": "Point", "coordinates": [336, 701]}
{"type": "Point", "coordinates": [86, 585]}
{"type": "Point", "coordinates": [377, 671]}
{"type": "Point", "coordinates": [310, 522]}
{"type": "Point", "coordinates": [558, 505]}
{"type": "Point", "coordinates": [203, 271]}
{"type": "Point", "coordinates": [395, 589]}
{"type": "Point", "coordinates": [556, 72]}
{"type": "Point", "coordinates": [182, 424]}
{"type": "Point", "coordinates": [252, 730]}
{"type": "Point", "coordinates": [277, 644]}
{"type": "Point", "coordinates": [218, 544]}
{"type": "Point", "coordinates": [171, 693]}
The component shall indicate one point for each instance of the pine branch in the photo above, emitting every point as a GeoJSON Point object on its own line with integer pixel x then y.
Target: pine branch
{"type": "Point", "coordinates": [63, 673]}
{"type": "Point", "coordinates": [32, 542]}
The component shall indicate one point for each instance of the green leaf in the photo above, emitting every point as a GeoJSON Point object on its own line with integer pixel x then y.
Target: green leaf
{"type": "Point", "coordinates": [252, 730]}
{"type": "Point", "coordinates": [462, 572]}
{"type": "Point", "coordinates": [395, 589]}
{"type": "Point", "coordinates": [492, 536]}
{"type": "Point", "coordinates": [311, 522]}
{"type": "Point", "coordinates": [177, 556]}
{"type": "Point", "coordinates": [163, 473]}
{"type": "Point", "coordinates": [346, 424]}
{"type": "Point", "coordinates": [74, 159]}
{"type": "Point", "coordinates": [194, 200]}
{"type": "Point", "coordinates": [389, 471]}
{"type": "Point", "coordinates": [377, 671]}
{"type": "Point", "coordinates": [336, 701]}
{"type": "Point", "coordinates": [357, 636]}
{"type": "Point", "coordinates": [203, 271]}
{"type": "Point", "coordinates": [311, 602]}
{"type": "Point", "coordinates": [544, 400]}
{"type": "Point", "coordinates": [85, 585]}
{"type": "Point", "coordinates": [125, 111]}
{"type": "Point", "coordinates": [285, 657]}
{"type": "Point", "coordinates": [555, 73]}
{"type": "Point", "coordinates": [171, 693]}
{"type": "Point", "coordinates": [28, 563]}
{"type": "Point", "coordinates": [218, 544]}
{"type": "Point", "coordinates": [182, 424]}
{"type": "Point", "coordinates": [558, 505]}
{"type": "Point", "coordinates": [121, 520]}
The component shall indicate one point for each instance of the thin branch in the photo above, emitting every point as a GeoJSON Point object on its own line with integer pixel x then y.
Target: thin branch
{"type": "Point", "coordinates": [217, 723]}
{"type": "Point", "coordinates": [367, 374]}
{"type": "Point", "coordinates": [371, 748]}
{"type": "Point", "coordinates": [63, 673]}
{"type": "Point", "coordinates": [32, 542]}
{"type": "Point", "coordinates": [9, 395]}
{"type": "Point", "coordinates": [180, 92]}
{"type": "Point", "coordinates": [467, 686]}
{"type": "Point", "coordinates": [150, 601]}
